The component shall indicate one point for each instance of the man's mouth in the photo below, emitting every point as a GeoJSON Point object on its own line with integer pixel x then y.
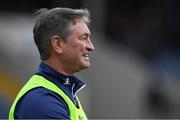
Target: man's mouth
{"type": "Point", "coordinates": [85, 55]}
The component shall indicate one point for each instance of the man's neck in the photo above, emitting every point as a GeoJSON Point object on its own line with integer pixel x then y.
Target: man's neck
{"type": "Point", "coordinates": [57, 66]}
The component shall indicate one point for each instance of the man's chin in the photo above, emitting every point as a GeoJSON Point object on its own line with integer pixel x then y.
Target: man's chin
{"type": "Point", "coordinates": [86, 65]}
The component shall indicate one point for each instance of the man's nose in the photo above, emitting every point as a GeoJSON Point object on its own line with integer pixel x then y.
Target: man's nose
{"type": "Point", "coordinates": [90, 46]}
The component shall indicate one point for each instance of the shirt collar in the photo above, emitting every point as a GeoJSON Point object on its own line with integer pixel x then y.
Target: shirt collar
{"type": "Point", "coordinates": [63, 79]}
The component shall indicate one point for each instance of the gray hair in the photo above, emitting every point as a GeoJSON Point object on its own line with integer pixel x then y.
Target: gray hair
{"type": "Point", "coordinates": [55, 21]}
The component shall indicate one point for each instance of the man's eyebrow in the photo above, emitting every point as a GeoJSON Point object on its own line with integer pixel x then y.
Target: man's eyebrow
{"type": "Point", "coordinates": [87, 34]}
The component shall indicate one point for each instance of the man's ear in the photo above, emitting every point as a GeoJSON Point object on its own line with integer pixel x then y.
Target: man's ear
{"type": "Point", "coordinates": [56, 42]}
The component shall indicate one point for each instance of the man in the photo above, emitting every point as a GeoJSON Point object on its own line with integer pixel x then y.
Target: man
{"type": "Point", "coordinates": [63, 39]}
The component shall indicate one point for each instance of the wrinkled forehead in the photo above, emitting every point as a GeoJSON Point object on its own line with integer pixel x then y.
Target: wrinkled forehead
{"type": "Point", "coordinates": [80, 26]}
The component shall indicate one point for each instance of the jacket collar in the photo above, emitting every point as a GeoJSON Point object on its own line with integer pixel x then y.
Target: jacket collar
{"type": "Point", "coordinates": [65, 80]}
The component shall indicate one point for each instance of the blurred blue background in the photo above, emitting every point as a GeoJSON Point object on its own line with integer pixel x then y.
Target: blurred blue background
{"type": "Point", "coordinates": [135, 70]}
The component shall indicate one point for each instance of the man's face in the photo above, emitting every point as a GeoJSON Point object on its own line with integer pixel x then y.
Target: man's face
{"type": "Point", "coordinates": [77, 48]}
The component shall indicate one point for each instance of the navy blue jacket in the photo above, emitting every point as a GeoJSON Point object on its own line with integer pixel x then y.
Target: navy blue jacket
{"type": "Point", "coordinates": [41, 103]}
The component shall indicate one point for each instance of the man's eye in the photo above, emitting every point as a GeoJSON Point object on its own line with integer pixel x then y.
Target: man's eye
{"type": "Point", "coordinates": [84, 37]}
